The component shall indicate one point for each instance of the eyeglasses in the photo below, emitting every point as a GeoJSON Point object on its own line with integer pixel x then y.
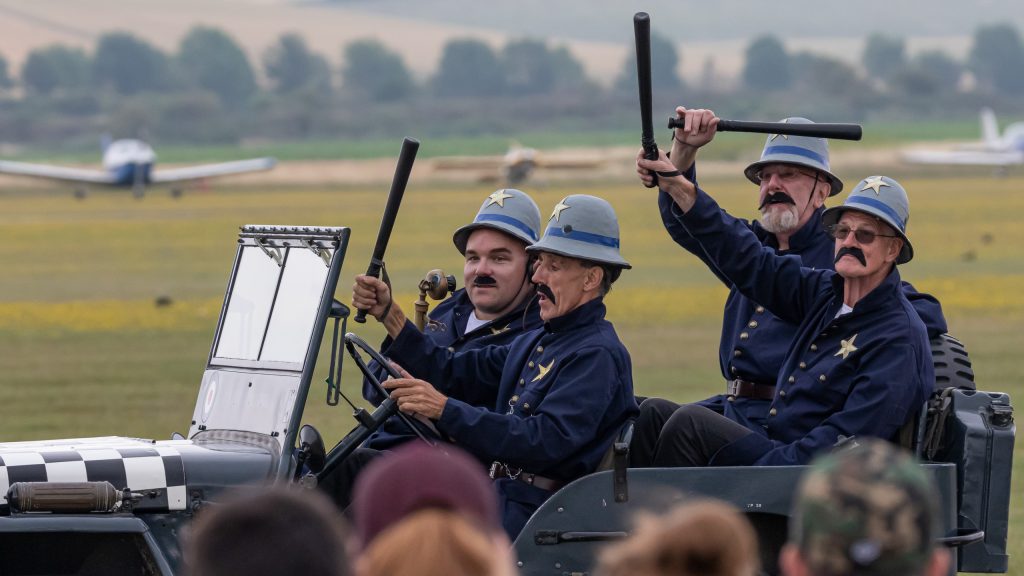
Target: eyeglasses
{"type": "Point", "coordinates": [862, 235]}
{"type": "Point", "coordinates": [786, 174]}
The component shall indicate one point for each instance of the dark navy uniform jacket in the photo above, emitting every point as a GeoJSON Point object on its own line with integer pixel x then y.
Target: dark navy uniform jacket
{"type": "Point", "coordinates": [446, 327]}
{"type": "Point", "coordinates": [863, 374]}
{"type": "Point", "coordinates": [557, 397]}
{"type": "Point", "coordinates": [754, 341]}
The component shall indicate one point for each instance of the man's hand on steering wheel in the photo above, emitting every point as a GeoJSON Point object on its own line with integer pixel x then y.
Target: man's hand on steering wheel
{"type": "Point", "coordinates": [351, 343]}
{"type": "Point", "coordinates": [415, 396]}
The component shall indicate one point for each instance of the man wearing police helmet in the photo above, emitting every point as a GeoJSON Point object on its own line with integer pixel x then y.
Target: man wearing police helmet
{"type": "Point", "coordinates": [562, 390]}
{"type": "Point", "coordinates": [492, 308]}
{"type": "Point", "coordinates": [859, 363]}
{"type": "Point", "coordinates": [794, 178]}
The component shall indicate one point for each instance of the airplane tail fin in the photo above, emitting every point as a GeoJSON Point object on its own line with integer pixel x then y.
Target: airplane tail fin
{"type": "Point", "coordinates": [989, 128]}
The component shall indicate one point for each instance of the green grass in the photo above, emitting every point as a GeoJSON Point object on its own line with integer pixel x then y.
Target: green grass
{"type": "Point", "coordinates": [84, 352]}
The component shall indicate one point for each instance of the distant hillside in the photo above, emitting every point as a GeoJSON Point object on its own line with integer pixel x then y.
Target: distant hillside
{"type": "Point", "coordinates": [598, 32]}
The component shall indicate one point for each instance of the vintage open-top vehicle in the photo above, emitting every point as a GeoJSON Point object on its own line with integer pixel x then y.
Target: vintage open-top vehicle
{"type": "Point", "coordinates": [117, 505]}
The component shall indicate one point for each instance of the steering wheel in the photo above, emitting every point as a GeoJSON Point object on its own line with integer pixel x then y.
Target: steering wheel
{"type": "Point", "coordinates": [351, 342]}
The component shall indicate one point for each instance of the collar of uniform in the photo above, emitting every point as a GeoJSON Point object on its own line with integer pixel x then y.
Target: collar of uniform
{"type": "Point", "coordinates": [892, 283]}
{"type": "Point", "coordinates": [461, 301]}
{"type": "Point", "coordinates": [460, 307]}
{"type": "Point", "coordinates": [586, 314]}
{"type": "Point", "coordinates": [810, 234]}
{"type": "Point", "coordinates": [522, 312]}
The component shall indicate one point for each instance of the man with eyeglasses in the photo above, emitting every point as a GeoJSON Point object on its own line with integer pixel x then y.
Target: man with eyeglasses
{"type": "Point", "coordinates": [794, 180]}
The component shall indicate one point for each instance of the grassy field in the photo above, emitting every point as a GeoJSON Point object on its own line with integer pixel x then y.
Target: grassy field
{"type": "Point", "coordinates": [84, 351]}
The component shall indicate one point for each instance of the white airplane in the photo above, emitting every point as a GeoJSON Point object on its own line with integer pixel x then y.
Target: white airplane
{"type": "Point", "coordinates": [129, 164]}
{"type": "Point", "coordinates": [1000, 151]}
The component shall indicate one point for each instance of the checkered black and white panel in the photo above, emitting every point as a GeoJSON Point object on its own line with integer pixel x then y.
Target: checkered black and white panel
{"type": "Point", "coordinates": [140, 467]}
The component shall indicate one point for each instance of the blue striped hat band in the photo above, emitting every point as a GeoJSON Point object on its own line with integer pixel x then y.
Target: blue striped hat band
{"type": "Point", "coordinates": [894, 218]}
{"type": "Point", "coordinates": [507, 220]}
{"type": "Point", "coordinates": [794, 151]}
{"type": "Point", "coordinates": [581, 236]}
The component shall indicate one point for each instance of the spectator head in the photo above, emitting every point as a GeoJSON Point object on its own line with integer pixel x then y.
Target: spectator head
{"type": "Point", "coordinates": [269, 532]}
{"type": "Point", "coordinates": [869, 510]}
{"type": "Point", "coordinates": [436, 542]}
{"type": "Point", "coordinates": [416, 477]}
{"type": "Point", "coordinates": [704, 537]}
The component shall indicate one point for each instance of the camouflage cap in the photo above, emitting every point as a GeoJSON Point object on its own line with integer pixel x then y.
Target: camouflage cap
{"type": "Point", "coordinates": [870, 510]}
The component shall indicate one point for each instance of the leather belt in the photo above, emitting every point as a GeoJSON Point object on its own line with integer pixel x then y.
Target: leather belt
{"type": "Point", "coordinates": [746, 389]}
{"type": "Point", "coordinates": [500, 470]}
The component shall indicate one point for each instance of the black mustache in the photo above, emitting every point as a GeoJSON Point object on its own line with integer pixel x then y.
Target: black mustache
{"type": "Point", "coordinates": [855, 252]}
{"type": "Point", "coordinates": [543, 289]}
{"type": "Point", "coordinates": [484, 281]}
{"type": "Point", "coordinates": [776, 198]}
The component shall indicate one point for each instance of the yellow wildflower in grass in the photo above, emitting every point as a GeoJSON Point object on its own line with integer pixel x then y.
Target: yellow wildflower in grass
{"type": "Point", "coordinates": [985, 293]}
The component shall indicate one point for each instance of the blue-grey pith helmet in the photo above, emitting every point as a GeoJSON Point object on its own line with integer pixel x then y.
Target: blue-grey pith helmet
{"type": "Point", "coordinates": [883, 198]}
{"type": "Point", "coordinates": [507, 210]}
{"type": "Point", "coordinates": [584, 227]}
{"type": "Point", "coordinates": [800, 150]}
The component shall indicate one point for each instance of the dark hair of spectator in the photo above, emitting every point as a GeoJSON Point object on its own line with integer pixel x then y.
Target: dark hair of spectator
{"type": "Point", "coordinates": [700, 538]}
{"type": "Point", "coordinates": [268, 532]}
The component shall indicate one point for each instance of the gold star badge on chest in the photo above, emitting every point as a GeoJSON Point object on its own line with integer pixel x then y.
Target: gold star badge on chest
{"type": "Point", "coordinates": [542, 371]}
{"type": "Point", "coordinates": [498, 198]}
{"type": "Point", "coordinates": [846, 347]}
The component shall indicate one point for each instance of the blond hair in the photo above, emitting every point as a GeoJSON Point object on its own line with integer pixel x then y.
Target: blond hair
{"type": "Point", "coordinates": [434, 542]}
{"type": "Point", "coordinates": [706, 538]}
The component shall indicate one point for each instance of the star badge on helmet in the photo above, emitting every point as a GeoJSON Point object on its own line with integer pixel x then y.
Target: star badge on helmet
{"type": "Point", "coordinates": [557, 212]}
{"type": "Point", "coordinates": [498, 197]}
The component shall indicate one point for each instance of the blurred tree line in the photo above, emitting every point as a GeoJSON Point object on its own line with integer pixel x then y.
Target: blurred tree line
{"type": "Point", "coordinates": [210, 92]}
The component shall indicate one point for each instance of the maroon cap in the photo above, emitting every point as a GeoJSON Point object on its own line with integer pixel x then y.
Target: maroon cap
{"type": "Point", "coordinates": [416, 476]}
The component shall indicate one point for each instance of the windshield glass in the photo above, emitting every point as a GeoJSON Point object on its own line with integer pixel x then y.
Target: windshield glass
{"type": "Point", "coordinates": [295, 308]}
{"type": "Point", "coordinates": [252, 296]}
{"type": "Point", "coordinates": [272, 309]}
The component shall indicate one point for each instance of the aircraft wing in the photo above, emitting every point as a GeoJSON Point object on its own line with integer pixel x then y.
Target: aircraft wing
{"type": "Point", "coordinates": [964, 157]}
{"type": "Point", "coordinates": [211, 170]}
{"type": "Point", "coordinates": [79, 175]}
{"type": "Point", "coordinates": [468, 163]}
{"type": "Point", "coordinates": [570, 163]}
